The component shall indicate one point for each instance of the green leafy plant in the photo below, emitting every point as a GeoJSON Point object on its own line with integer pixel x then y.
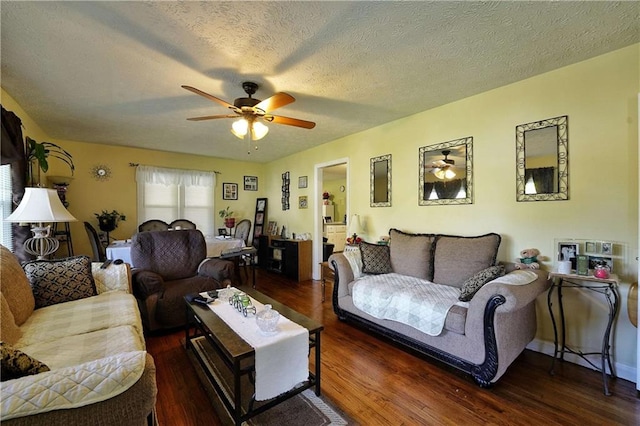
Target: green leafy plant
{"type": "Point", "coordinates": [225, 213]}
{"type": "Point", "coordinates": [38, 154]}
{"type": "Point", "coordinates": [108, 221]}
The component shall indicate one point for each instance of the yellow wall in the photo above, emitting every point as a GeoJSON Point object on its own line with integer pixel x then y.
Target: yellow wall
{"type": "Point", "coordinates": [87, 195]}
{"type": "Point", "coordinates": [598, 95]}
{"type": "Point", "coordinates": [600, 98]}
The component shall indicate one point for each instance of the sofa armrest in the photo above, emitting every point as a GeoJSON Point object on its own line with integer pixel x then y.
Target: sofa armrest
{"type": "Point", "coordinates": [112, 278]}
{"type": "Point", "coordinates": [516, 296]}
{"type": "Point", "coordinates": [343, 273]}
{"type": "Point", "coordinates": [146, 283]}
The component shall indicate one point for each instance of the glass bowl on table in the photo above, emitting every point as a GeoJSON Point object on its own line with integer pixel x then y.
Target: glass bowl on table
{"type": "Point", "coordinates": [267, 320]}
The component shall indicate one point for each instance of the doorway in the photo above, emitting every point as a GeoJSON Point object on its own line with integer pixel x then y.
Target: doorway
{"type": "Point", "coordinates": [330, 173]}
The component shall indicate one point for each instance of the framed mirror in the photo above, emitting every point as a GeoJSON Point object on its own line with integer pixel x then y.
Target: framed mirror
{"type": "Point", "coordinates": [380, 171]}
{"type": "Point", "coordinates": [542, 160]}
{"type": "Point", "coordinates": [446, 173]}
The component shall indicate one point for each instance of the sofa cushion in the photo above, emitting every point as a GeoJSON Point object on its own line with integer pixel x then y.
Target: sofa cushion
{"type": "Point", "coordinates": [458, 258]}
{"type": "Point", "coordinates": [16, 364]}
{"type": "Point", "coordinates": [9, 331]}
{"type": "Point", "coordinates": [62, 280]}
{"type": "Point", "coordinates": [411, 254]}
{"type": "Point", "coordinates": [15, 286]}
{"type": "Point", "coordinates": [474, 283]}
{"type": "Point", "coordinates": [375, 259]}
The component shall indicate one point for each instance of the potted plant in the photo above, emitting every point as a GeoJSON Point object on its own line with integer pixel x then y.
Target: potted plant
{"type": "Point", "coordinates": [38, 154]}
{"type": "Point", "coordinates": [108, 221]}
{"type": "Point", "coordinates": [229, 220]}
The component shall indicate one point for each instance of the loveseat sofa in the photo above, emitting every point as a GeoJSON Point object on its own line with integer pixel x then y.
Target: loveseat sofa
{"type": "Point", "coordinates": [73, 350]}
{"type": "Point", "coordinates": [443, 296]}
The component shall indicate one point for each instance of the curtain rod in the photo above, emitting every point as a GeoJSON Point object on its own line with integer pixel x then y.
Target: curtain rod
{"type": "Point", "coordinates": [174, 168]}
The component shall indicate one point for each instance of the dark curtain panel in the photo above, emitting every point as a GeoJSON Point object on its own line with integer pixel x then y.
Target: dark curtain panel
{"type": "Point", "coordinates": [542, 178]}
{"type": "Point", "coordinates": [428, 187]}
{"type": "Point", "coordinates": [12, 152]}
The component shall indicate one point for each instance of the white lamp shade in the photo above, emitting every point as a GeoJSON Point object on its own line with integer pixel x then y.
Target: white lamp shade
{"type": "Point", "coordinates": [355, 226]}
{"type": "Point", "coordinates": [40, 205]}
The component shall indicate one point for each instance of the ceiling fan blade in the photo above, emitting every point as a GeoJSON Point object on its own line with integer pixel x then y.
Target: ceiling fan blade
{"type": "Point", "coordinates": [290, 121]}
{"type": "Point", "coordinates": [208, 96]}
{"type": "Point", "coordinates": [211, 117]}
{"type": "Point", "coordinates": [276, 101]}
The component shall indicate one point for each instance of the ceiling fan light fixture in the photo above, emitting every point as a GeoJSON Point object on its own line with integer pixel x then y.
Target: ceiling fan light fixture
{"type": "Point", "coordinates": [259, 131]}
{"type": "Point", "coordinates": [445, 173]}
{"type": "Point", "coordinates": [240, 128]}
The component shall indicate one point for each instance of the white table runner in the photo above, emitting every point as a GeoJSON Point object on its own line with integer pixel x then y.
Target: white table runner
{"type": "Point", "coordinates": [281, 360]}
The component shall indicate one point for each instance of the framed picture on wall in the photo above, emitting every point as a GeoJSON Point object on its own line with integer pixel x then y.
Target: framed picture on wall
{"type": "Point", "coordinates": [251, 183]}
{"type": "Point", "coordinates": [568, 251]}
{"type": "Point", "coordinates": [229, 191]}
{"type": "Point", "coordinates": [302, 182]}
{"type": "Point", "coordinates": [302, 202]}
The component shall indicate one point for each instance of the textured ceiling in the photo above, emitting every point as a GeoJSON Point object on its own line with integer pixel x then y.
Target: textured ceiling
{"type": "Point", "coordinates": [110, 72]}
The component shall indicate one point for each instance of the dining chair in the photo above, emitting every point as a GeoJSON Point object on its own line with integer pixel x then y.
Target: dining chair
{"type": "Point", "coordinates": [183, 224]}
{"type": "Point", "coordinates": [153, 225]}
{"type": "Point", "coordinates": [99, 254]}
{"type": "Point", "coordinates": [243, 229]}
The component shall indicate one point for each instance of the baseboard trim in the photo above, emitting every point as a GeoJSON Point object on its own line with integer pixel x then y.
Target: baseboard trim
{"type": "Point", "coordinates": [623, 371]}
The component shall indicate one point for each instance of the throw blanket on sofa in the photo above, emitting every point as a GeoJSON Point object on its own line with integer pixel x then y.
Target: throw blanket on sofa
{"type": "Point", "coordinates": [418, 303]}
{"type": "Point", "coordinates": [71, 387]}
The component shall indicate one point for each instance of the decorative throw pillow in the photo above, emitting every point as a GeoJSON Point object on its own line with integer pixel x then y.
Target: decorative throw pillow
{"type": "Point", "coordinates": [16, 364]}
{"type": "Point", "coordinates": [375, 259]}
{"type": "Point", "coordinates": [473, 284]}
{"type": "Point", "coordinates": [58, 281]}
{"type": "Point", "coordinates": [9, 330]}
{"type": "Point", "coordinates": [15, 287]}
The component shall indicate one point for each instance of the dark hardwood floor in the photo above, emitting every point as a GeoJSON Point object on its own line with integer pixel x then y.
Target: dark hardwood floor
{"type": "Point", "coordinates": [377, 383]}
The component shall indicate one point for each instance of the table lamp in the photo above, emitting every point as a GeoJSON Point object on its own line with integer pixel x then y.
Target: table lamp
{"type": "Point", "coordinates": [40, 206]}
{"type": "Point", "coordinates": [355, 227]}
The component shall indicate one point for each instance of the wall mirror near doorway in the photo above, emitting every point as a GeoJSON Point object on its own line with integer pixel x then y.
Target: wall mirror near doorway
{"type": "Point", "coordinates": [380, 171]}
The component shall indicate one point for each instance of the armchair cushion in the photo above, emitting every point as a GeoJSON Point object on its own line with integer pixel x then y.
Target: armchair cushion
{"type": "Point", "coordinates": [146, 283]}
{"type": "Point", "coordinates": [63, 280]}
{"type": "Point", "coordinates": [218, 269]}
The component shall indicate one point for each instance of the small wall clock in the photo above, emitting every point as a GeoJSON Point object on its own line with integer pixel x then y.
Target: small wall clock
{"type": "Point", "coordinates": [101, 172]}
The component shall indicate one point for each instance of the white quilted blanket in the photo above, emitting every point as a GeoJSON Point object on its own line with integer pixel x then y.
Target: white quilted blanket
{"type": "Point", "coordinates": [71, 387]}
{"type": "Point", "coordinates": [418, 303]}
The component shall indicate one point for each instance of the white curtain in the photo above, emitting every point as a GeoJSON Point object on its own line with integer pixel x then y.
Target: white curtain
{"type": "Point", "coordinates": [169, 194]}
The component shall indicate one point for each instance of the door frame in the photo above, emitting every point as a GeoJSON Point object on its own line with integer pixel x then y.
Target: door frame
{"type": "Point", "coordinates": [317, 214]}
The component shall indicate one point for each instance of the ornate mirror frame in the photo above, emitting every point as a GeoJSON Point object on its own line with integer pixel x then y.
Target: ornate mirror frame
{"type": "Point", "coordinates": [423, 166]}
{"type": "Point", "coordinates": [561, 177]}
{"type": "Point", "coordinates": [377, 185]}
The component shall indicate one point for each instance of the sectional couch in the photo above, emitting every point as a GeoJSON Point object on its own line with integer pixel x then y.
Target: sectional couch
{"type": "Point", "coordinates": [441, 295]}
{"type": "Point", "coordinates": [73, 350]}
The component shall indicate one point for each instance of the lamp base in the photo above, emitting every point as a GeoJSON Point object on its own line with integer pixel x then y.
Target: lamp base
{"type": "Point", "coordinates": [41, 244]}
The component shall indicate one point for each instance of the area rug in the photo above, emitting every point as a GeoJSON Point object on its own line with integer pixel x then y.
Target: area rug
{"type": "Point", "coordinates": [303, 409]}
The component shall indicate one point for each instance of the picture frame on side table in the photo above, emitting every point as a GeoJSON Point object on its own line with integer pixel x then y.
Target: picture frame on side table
{"type": "Point", "coordinates": [600, 260]}
{"type": "Point", "coordinates": [229, 191]}
{"type": "Point", "coordinates": [568, 251]}
{"type": "Point", "coordinates": [590, 247]}
{"type": "Point", "coordinates": [606, 248]}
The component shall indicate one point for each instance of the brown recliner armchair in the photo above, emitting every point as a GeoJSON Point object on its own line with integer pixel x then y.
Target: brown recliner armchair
{"type": "Point", "coordinates": [170, 265]}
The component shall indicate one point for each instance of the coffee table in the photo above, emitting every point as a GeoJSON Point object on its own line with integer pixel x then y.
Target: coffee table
{"type": "Point", "coordinates": [229, 362]}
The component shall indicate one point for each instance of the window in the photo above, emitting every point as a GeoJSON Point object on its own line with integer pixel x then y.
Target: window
{"type": "Point", "coordinates": [6, 237]}
{"type": "Point", "coordinates": [169, 194]}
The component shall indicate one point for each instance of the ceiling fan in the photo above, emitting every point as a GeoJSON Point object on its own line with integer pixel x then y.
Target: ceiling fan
{"type": "Point", "coordinates": [443, 169]}
{"type": "Point", "coordinates": [251, 112]}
